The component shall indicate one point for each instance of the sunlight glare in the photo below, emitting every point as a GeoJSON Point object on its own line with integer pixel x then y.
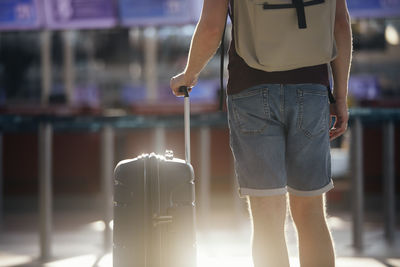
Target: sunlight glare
{"type": "Point", "coordinates": [105, 261]}
{"type": "Point", "coordinates": [97, 226]}
{"type": "Point", "coordinates": [80, 261]}
{"type": "Point", "coordinates": [7, 259]}
{"type": "Point", "coordinates": [394, 262]}
{"type": "Point", "coordinates": [365, 262]}
{"type": "Point", "coordinates": [337, 223]}
{"type": "Point", "coordinates": [392, 35]}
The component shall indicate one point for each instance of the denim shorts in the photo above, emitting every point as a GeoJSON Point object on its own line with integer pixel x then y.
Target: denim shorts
{"type": "Point", "coordinates": [279, 136]}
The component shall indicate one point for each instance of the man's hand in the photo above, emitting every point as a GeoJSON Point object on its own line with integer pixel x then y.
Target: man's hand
{"type": "Point", "coordinates": [338, 110]}
{"type": "Point", "coordinates": [204, 44]}
{"type": "Point", "coordinates": [182, 80]}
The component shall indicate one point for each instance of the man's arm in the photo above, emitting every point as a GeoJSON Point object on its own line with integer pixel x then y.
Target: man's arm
{"type": "Point", "coordinates": [341, 68]}
{"type": "Point", "coordinates": [205, 42]}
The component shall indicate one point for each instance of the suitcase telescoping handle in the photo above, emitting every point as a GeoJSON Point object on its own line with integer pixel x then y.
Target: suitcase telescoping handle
{"type": "Point", "coordinates": [185, 90]}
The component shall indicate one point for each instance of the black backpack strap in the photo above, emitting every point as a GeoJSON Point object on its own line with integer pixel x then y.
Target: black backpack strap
{"type": "Point", "coordinates": [222, 51]}
{"type": "Point", "coordinates": [299, 5]}
{"type": "Point", "coordinates": [301, 15]}
{"type": "Point", "coordinates": [332, 99]}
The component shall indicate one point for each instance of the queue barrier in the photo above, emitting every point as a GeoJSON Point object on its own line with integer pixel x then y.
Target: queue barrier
{"type": "Point", "coordinates": [46, 125]}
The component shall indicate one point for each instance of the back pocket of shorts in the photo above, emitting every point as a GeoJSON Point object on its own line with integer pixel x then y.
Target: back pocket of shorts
{"type": "Point", "coordinates": [250, 110]}
{"type": "Point", "coordinates": [313, 112]}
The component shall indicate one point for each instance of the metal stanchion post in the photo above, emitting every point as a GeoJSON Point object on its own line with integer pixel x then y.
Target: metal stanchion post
{"type": "Point", "coordinates": [45, 58]}
{"type": "Point", "coordinates": [1, 178]}
{"type": "Point", "coordinates": [1, 184]}
{"type": "Point", "coordinates": [45, 189]}
{"type": "Point", "coordinates": [107, 166]}
{"type": "Point", "coordinates": [159, 140]}
{"type": "Point", "coordinates": [69, 64]}
{"type": "Point", "coordinates": [205, 173]}
{"type": "Point", "coordinates": [150, 62]}
{"type": "Point", "coordinates": [357, 182]}
{"type": "Point", "coordinates": [238, 202]}
{"type": "Point", "coordinates": [389, 180]}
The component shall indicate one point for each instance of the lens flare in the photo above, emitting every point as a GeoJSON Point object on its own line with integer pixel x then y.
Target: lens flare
{"type": "Point", "coordinates": [392, 35]}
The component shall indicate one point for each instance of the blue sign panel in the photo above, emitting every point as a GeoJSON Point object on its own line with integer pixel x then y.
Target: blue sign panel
{"type": "Point", "coordinates": [364, 87]}
{"type": "Point", "coordinates": [374, 8]}
{"type": "Point", "coordinates": [61, 14]}
{"type": "Point", "coordinates": [19, 14]}
{"type": "Point", "coordinates": [159, 12]}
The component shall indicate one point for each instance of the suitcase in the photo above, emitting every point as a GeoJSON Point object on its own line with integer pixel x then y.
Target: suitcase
{"type": "Point", "coordinates": [154, 209]}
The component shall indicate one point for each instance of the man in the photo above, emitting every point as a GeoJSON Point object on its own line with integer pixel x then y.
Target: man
{"type": "Point", "coordinates": [280, 132]}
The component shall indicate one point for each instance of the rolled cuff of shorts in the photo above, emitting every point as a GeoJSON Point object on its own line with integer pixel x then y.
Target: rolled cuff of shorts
{"type": "Point", "coordinates": [261, 192]}
{"type": "Point", "coordinates": [316, 192]}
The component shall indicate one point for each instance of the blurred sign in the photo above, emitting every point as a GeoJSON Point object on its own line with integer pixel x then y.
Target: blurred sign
{"type": "Point", "coordinates": [159, 12]}
{"type": "Point", "coordinates": [19, 14]}
{"type": "Point", "coordinates": [87, 96]}
{"type": "Point", "coordinates": [374, 8]}
{"type": "Point", "coordinates": [364, 86]}
{"type": "Point", "coordinates": [61, 14]}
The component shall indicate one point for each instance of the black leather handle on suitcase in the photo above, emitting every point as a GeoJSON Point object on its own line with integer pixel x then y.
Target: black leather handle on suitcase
{"type": "Point", "coordinates": [185, 89]}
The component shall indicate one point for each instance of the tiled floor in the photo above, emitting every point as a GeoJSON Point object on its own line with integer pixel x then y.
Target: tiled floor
{"type": "Point", "coordinates": [77, 241]}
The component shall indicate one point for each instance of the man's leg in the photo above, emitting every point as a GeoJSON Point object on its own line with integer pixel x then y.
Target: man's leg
{"type": "Point", "coordinates": [315, 241]}
{"type": "Point", "coordinates": [268, 237]}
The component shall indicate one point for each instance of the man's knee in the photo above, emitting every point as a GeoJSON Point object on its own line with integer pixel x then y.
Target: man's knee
{"type": "Point", "coordinates": [272, 207]}
{"type": "Point", "coordinates": [307, 208]}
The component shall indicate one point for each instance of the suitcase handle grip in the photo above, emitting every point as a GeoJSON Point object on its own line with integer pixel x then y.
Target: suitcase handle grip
{"type": "Point", "coordinates": [185, 89]}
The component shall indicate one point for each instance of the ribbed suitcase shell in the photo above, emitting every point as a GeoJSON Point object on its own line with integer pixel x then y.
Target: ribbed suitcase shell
{"type": "Point", "coordinates": [154, 213]}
